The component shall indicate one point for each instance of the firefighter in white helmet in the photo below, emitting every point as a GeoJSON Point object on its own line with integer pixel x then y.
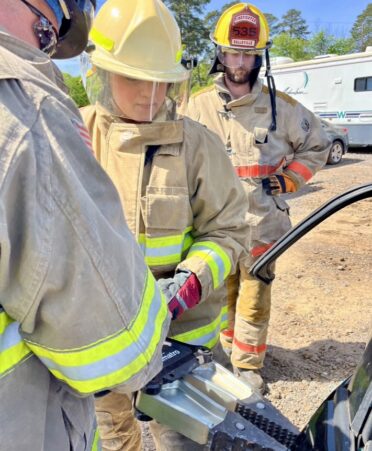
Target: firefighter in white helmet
{"type": "Point", "coordinates": [168, 172]}
{"type": "Point", "coordinates": [70, 326]}
{"type": "Point", "coordinates": [275, 145]}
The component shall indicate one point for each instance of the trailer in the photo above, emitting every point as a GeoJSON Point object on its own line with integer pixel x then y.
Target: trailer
{"type": "Point", "coordinates": [336, 88]}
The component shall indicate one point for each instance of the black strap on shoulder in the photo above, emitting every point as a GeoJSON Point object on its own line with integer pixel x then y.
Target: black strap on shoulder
{"type": "Point", "coordinates": [150, 152]}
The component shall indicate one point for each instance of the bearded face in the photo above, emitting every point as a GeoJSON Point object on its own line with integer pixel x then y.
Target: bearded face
{"type": "Point", "coordinates": [238, 64]}
{"type": "Point", "coordinates": [239, 76]}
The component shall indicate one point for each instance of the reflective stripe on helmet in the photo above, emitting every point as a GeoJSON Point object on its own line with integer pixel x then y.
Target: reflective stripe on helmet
{"type": "Point", "coordinates": [101, 40]}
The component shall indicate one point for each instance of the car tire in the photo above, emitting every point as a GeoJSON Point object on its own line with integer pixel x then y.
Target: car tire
{"type": "Point", "coordinates": [336, 152]}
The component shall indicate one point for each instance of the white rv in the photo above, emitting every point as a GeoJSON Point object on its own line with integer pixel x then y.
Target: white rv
{"type": "Point", "coordinates": [336, 88]}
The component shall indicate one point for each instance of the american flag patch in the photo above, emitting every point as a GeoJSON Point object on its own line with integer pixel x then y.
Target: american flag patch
{"type": "Point", "coordinates": [83, 132]}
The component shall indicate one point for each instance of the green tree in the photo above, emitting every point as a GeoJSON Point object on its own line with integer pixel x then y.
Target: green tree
{"type": "Point", "coordinates": [200, 77]}
{"type": "Point", "coordinates": [285, 45]}
{"type": "Point", "coordinates": [322, 43]}
{"type": "Point", "coordinates": [76, 90]}
{"type": "Point", "coordinates": [273, 24]}
{"type": "Point", "coordinates": [189, 16]}
{"type": "Point", "coordinates": [293, 24]}
{"type": "Point", "coordinates": [212, 17]}
{"type": "Point", "coordinates": [342, 46]}
{"type": "Point", "coordinates": [362, 29]}
{"type": "Point", "coordinates": [319, 43]}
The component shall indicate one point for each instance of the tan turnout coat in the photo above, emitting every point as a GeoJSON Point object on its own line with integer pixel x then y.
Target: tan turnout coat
{"type": "Point", "coordinates": [69, 323]}
{"type": "Point", "coordinates": [184, 208]}
{"type": "Point", "coordinates": [299, 147]}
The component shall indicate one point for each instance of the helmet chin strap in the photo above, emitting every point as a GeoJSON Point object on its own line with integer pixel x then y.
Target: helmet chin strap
{"type": "Point", "coordinates": [44, 30]}
{"type": "Point", "coordinates": [271, 86]}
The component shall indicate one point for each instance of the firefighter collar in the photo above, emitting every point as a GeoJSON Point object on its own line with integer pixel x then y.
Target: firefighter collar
{"type": "Point", "coordinates": [224, 93]}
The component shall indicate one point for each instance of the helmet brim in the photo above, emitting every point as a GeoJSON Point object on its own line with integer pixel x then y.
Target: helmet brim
{"type": "Point", "coordinates": [73, 33]}
{"type": "Point", "coordinates": [107, 62]}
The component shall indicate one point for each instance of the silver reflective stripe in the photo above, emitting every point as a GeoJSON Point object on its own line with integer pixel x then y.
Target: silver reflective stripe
{"type": "Point", "coordinates": [218, 260]}
{"type": "Point", "coordinates": [10, 337]}
{"type": "Point", "coordinates": [113, 362]}
{"type": "Point", "coordinates": [181, 302]}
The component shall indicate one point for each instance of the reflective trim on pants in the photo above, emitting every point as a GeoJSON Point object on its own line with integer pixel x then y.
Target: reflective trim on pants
{"type": "Point", "coordinates": [249, 315]}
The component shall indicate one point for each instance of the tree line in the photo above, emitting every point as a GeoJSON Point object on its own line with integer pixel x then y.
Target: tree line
{"type": "Point", "coordinates": [289, 34]}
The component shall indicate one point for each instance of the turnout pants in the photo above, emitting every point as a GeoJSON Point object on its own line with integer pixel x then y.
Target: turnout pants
{"type": "Point", "coordinates": [248, 302]}
{"type": "Point", "coordinates": [118, 428]}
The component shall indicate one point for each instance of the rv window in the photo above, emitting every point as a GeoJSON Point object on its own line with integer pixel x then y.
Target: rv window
{"type": "Point", "coordinates": [363, 84]}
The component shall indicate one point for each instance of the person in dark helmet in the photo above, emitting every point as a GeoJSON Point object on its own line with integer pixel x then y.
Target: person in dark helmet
{"type": "Point", "coordinates": [70, 325]}
{"type": "Point", "coordinates": [275, 145]}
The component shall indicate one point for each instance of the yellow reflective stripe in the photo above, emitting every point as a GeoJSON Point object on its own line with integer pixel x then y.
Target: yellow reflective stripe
{"type": "Point", "coordinates": [163, 241]}
{"type": "Point", "coordinates": [187, 243]}
{"type": "Point", "coordinates": [96, 445]}
{"type": "Point", "coordinates": [180, 53]}
{"type": "Point", "coordinates": [12, 357]}
{"type": "Point", "coordinates": [165, 250]}
{"type": "Point", "coordinates": [224, 318]}
{"type": "Point", "coordinates": [207, 335]}
{"type": "Point", "coordinates": [103, 41]}
{"type": "Point", "coordinates": [115, 359]}
{"type": "Point", "coordinates": [172, 259]}
{"type": "Point", "coordinates": [5, 320]}
{"type": "Point", "coordinates": [212, 343]}
{"type": "Point", "coordinates": [13, 349]}
{"type": "Point", "coordinates": [215, 257]}
{"type": "Point", "coordinates": [106, 346]}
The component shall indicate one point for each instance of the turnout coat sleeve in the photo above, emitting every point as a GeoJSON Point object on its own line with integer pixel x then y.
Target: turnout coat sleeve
{"type": "Point", "coordinates": [73, 282]}
{"type": "Point", "coordinates": [308, 140]}
{"type": "Point", "coordinates": [219, 207]}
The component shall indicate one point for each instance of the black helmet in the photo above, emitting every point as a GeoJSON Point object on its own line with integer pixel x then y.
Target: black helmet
{"type": "Point", "coordinates": [74, 30]}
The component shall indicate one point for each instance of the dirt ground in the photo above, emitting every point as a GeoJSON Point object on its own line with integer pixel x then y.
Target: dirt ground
{"type": "Point", "coordinates": [322, 296]}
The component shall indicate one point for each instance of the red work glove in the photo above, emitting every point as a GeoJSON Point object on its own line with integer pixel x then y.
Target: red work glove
{"type": "Point", "coordinates": [182, 292]}
{"type": "Point", "coordinates": [278, 184]}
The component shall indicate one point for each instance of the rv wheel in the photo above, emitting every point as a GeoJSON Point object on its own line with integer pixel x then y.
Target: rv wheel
{"type": "Point", "coordinates": [336, 152]}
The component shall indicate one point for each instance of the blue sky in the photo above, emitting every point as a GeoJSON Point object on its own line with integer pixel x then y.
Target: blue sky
{"type": "Point", "coordinates": [334, 16]}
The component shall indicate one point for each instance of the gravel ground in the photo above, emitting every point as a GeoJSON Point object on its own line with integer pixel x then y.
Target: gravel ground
{"type": "Point", "coordinates": [322, 296]}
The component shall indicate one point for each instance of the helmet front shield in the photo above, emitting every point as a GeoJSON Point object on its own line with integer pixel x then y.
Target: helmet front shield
{"type": "Point", "coordinates": [134, 99]}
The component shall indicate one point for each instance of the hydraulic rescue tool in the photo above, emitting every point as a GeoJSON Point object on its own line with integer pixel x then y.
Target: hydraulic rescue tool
{"type": "Point", "coordinates": [210, 405]}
